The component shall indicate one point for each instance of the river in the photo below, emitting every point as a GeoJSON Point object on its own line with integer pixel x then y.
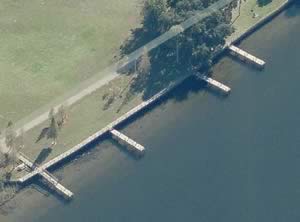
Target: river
{"type": "Point", "coordinates": [208, 158]}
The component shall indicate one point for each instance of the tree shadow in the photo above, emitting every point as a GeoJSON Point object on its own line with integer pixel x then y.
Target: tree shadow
{"type": "Point", "coordinates": [139, 37]}
{"type": "Point", "coordinates": [189, 51]}
{"type": "Point", "coordinates": [43, 134]}
{"type": "Point", "coordinates": [43, 155]}
{"type": "Point", "coordinates": [163, 71]}
{"type": "Point", "coordinates": [262, 3]}
{"type": "Point", "coordinates": [293, 10]}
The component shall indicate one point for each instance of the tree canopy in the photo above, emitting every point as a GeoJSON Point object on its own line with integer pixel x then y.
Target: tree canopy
{"type": "Point", "coordinates": [196, 45]}
{"type": "Point", "coordinates": [201, 41]}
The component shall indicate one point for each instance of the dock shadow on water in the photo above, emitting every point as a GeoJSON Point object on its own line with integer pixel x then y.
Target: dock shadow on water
{"type": "Point", "coordinates": [244, 62]}
{"type": "Point", "coordinates": [123, 148]}
{"type": "Point", "coordinates": [192, 85]}
{"type": "Point", "coordinates": [47, 191]}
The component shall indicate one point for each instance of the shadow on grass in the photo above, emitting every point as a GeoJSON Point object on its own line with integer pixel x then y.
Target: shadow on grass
{"type": "Point", "coordinates": [43, 155]}
{"type": "Point", "coordinates": [167, 66]}
{"type": "Point", "coordinates": [164, 70]}
{"type": "Point", "coordinates": [43, 134]}
{"type": "Point", "coordinates": [293, 10]}
{"type": "Point", "coordinates": [262, 3]}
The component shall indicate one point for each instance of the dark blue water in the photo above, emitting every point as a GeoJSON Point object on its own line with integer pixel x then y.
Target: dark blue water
{"type": "Point", "coordinates": [208, 158]}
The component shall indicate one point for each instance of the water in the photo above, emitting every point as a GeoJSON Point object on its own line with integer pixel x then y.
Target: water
{"type": "Point", "coordinates": [208, 159]}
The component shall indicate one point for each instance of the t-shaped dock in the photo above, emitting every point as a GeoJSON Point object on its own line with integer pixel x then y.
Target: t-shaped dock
{"type": "Point", "coordinates": [49, 178]}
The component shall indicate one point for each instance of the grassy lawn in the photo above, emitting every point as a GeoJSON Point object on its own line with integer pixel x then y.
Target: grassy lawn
{"type": "Point", "coordinates": [48, 47]}
{"type": "Point", "coordinates": [246, 18]}
{"type": "Point", "coordinates": [84, 118]}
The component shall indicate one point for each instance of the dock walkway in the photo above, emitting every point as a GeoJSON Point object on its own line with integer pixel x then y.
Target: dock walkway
{"type": "Point", "coordinates": [213, 83]}
{"type": "Point", "coordinates": [123, 138]}
{"type": "Point", "coordinates": [246, 56]}
{"type": "Point", "coordinates": [49, 178]}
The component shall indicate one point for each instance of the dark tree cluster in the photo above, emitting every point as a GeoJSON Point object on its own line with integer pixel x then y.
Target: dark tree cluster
{"type": "Point", "coordinates": [192, 49]}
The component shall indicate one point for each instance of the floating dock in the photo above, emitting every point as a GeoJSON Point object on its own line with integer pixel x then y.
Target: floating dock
{"type": "Point", "coordinates": [246, 56]}
{"type": "Point", "coordinates": [214, 83]}
{"type": "Point", "coordinates": [131, 143]}
{"type": "Point", "coordinates": [49, 179]}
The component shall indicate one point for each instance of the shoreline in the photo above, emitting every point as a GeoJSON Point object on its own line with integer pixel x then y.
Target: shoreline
{"type": "Point", "coordinates": [260, 23]}
{"type": "Point", "coordinates": [244, 35]}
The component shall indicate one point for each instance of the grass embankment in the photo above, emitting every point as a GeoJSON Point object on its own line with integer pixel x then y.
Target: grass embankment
{"type": "Point", "coordinates": [48, 47]}
{"type": "Point", "coordinates": [89, 115]}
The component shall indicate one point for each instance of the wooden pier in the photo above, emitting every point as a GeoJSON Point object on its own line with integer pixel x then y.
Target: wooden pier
{"type": "Point", "coordinates": [114, 124]}
{"type": "Point", "coordinates": [246, 56]}
{"type": "Point", "coordinates": [48, 178]}
{"type": "Point", "coordinates": [131, 143]}
{"type": "Point", "coordinates": [42, 169]}
{"type": "Point", "coordinates": [101, 132]}
{"type": "Point", "coordinates": [213, 83]}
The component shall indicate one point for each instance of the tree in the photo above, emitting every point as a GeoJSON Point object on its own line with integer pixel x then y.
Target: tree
{"type": "Point", "coordinates": [144, 64]}
{"type": "Point", "coordinates": [211, 32]}
{"type": "Point", "coordinates": [20, 140]}
{"type": "Point", "coordinates": [10, 154]}
{"type": "Point", "coordinates": [51, 113]}
{"type": "Point", "coordinates": [10, 135]}
{"type": "Point", "coordinates": [177, 29]}
{"type": "Point", "coordinates": [62, 116]}
{"type": "Point", "coordinates": [53, 130]}
{"type": "Point", "coordinates": [155, 16]}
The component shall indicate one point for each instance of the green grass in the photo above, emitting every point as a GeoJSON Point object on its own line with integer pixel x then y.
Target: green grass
{"type": "Point", "coordinates": [48, 47]}
{"type": "Point", "coordinates": [246, 19]}
{"type": "Point", "coordinates": [84, 118]}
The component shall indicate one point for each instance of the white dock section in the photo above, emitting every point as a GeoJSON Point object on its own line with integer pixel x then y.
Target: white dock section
{"type": "Point", "coordinates": [214, 83]}
{"type": "Point", "coordinates": [56, 185]}
{"type": "Point", "coordinates": [50, 179]}
{"type": "Point", "coordinates": [120, 136]}
{"type": "Point", "coordinates": [245, 55]}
